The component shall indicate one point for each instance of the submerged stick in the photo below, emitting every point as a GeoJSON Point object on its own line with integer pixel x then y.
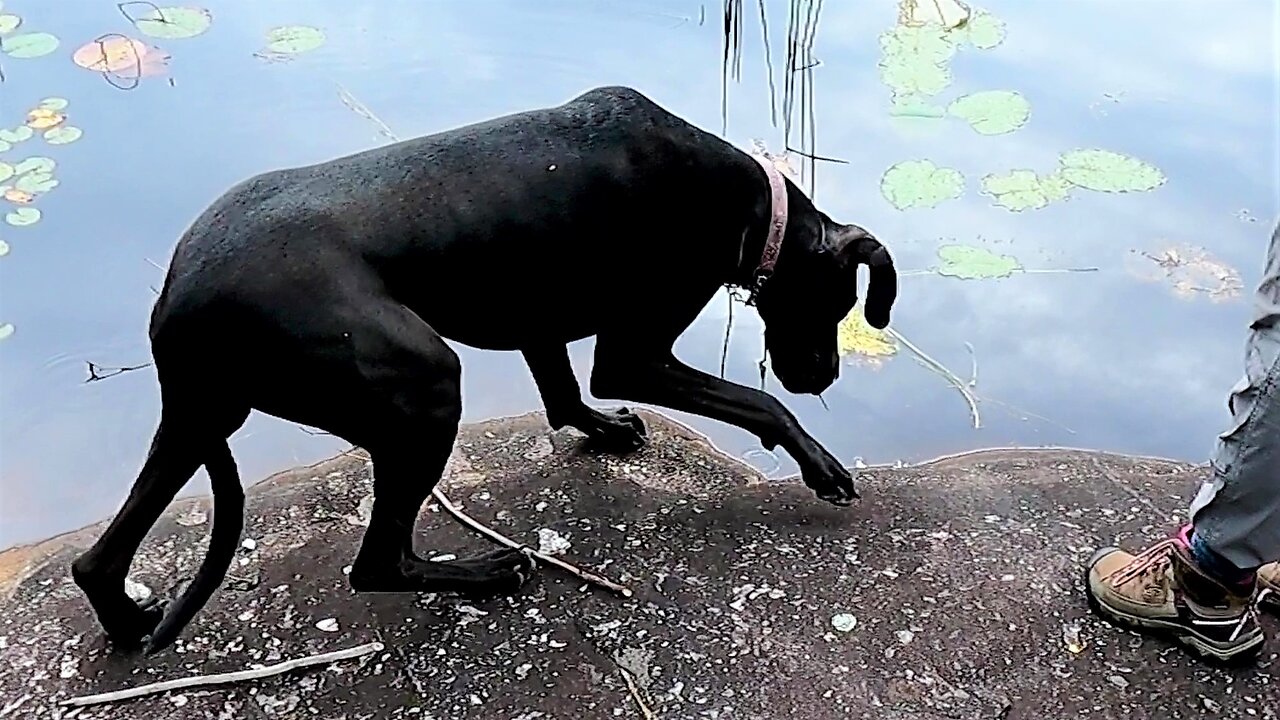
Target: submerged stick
{"type": "Point", "coordinates": [944, 372]}
{"type": "Point", "coordinates": [224, 678]}
{"type": "Point", "coordinates": [501, 539]}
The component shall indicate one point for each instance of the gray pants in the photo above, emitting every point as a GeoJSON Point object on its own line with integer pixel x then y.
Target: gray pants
{"type": "Point", "coordinates": [1237, 513]}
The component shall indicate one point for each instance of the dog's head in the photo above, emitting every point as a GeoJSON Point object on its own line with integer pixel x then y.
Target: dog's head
{"type": "Point", "coordinates": [813, 288]}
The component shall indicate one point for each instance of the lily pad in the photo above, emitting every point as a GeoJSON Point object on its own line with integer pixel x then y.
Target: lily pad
{"type": "Point", "coordinates": [6, 331]}
{"type": "Point", "coordinates": [44, 118]}
{"type": "Point", "coordinates": [293, 39]}
{"type": "Point", "coordinates": [912, 106]}
{"type": "Point", "coordinates": [916, 60]}
{"type": "Point", "coordinates": [1107, 171]}
{"type": "Point", "coordinates": [35, 164]}
{"type": "Point", "coordinates": [9, 23]}
{"type": "Point", "coordinates": [23, 216]}
{"type": "Point", "coordinates": [1189, 270]}
{"type": "Point", "coordinates": [920, 184]}
{"type": "Point", "coordinates": [4, 248]}
{"type": "Point", "coordinates": [5, 146]}
{"type": "Point", "coordinates": [17, 135]}
{"type": "Point", "coordinates": [854, 336]}
{"type": "Point", "coordinates": [1021, 190]}
{"type": "Point", "coordinates": [30, 45]}
{"type": "Point", "coordinates": [54, 103]}
{"type": "Point", "coordinates": [992, 112]}
{"type": "Point", "coordinates": [16, 196]}
{"type": "Point", "coordinates": [111, 54]}
{"type": "Point", "coordinates": [36, 183]}
{"type": "Point", "coordinates": [984, 30]}
{"type": "Point", "coordinates": [174, 23]}
{"type": "Point", "coordinates": [974, 263]}
{"type": "Point", "coordinates": [63, 135]}
{"type": "Point", "coordinates": [6, 171]}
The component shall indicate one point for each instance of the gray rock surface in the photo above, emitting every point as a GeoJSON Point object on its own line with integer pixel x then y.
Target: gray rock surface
{"type": "Point", "coordinates": [951, 590]}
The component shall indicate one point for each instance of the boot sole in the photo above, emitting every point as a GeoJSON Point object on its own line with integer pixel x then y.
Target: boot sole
{"type": "Point", "coordinates": [1202, 646]}
{"type": "Point", "coordinates": [1270, 599]}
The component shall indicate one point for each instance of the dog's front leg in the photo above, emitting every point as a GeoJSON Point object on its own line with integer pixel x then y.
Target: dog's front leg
{"type": "Point", "coordinates": [663, 380]}
{"type": "Point", "coordinates": [619, 430]}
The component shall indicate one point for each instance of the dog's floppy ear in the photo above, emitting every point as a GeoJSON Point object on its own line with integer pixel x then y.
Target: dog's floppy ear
{"type": "Point", "coordinates": [855, 246]}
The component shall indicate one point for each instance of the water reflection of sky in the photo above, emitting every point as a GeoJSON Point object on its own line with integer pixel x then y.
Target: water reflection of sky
{"type": "Point", "coordinates": [1105, 360]}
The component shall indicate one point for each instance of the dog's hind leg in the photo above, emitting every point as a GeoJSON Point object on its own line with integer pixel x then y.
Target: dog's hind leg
{"type": "Point", "coordinates": [619, 430]}
{"type": "Point", "coordinates": [396, 392]}
{"type": "Point", "coordinates": [182, 443]}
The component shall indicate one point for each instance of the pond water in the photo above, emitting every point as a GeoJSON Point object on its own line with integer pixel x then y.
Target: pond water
{"type": "Point", "coordinates": [1133, 353]}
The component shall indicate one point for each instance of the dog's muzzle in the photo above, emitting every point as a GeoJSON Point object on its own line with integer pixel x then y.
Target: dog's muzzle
{"type": "Point", "coordinates": [809, 374]}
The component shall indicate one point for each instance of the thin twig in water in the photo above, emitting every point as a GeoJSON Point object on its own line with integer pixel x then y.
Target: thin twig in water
{"type": "Point", "coordinates": [501, 539]}
{"type": "Point", "coordinates": [635, 694]}
{"type": "Point", "coordinates": [225, 678]}
{"type": "Point", "coordinates": [973, 365]}
{"type": "Point", "coordinates": [309, 431]}
{"type": "Point", "coordinates": [943, 371]}
{"type": "Point", "coordinates": [1024, 271]}
{"type": "Point", "coordinates": [820, 158]}
{"type": "Point", "coordinates": [363, 111]}
{"type": "Point", "coordinates": [109, 372]}
{"type": "Point", "coordinates": [768, 62]}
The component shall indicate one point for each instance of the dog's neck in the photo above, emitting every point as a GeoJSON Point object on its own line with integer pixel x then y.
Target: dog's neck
{"type": "Point", "coordinates": [760, 246]}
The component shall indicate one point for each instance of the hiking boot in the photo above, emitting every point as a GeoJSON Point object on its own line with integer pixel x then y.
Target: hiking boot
{"type": "Point", "coordinates": [1162, 590]}
{"type": "Point", "coordinates": [1269, 586]}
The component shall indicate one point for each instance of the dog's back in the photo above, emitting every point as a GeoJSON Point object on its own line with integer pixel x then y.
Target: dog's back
{"type": "Point", "coordinates": [512, 203]}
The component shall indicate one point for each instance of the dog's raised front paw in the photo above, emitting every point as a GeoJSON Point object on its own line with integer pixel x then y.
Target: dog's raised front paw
{"type": "Point", "coordinates": [828, 479]}
{"type": "Point", "coordinates": [615, 431]}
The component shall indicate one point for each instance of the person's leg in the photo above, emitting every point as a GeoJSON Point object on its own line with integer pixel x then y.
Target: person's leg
{"type": "Point", "coordinates": [1236, 515]}
{"type": "Point", "coordinates": [1199, 585]}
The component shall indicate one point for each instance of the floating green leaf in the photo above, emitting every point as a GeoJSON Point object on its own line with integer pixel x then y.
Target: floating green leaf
{"type": "Point", "coordinates": [175, 23]}
{"type": "Point", "coordinates": [6, 331]}
{"type": "Point", "coordinates": [912, 106]}
{"type": "Point", "coordinates": [9, 23]}
{"type": "Point", "coordinates": [4, 248]}
{"type": "Point", "coordinates": [1107, 171]}
{"type": "Point", "coordinates": [36, 183]}
{"type": "Point", "coordinates": [17, 135]}
{"type": "Point", "coordinates": [5, 146]}
{"type": "Point", "coordinates": [6, 171]}
{"type": "Point", "coordinates": [63, 134]}
{"type": "Point", "coordinates": [30, 45]}
{"type": "Point", "coordinates": [920, 184]}
{"type": "Point", "coordinates": [54, 103]}
{"type": "Point", "coordinates": [974, 263]}
{"type": "Point", "coordinates": [855, 336]}
{"type": "Point", "coordinates": [35, 165]}
{"type": "Point", "coordinates": [984, 30]}
{"type": "Point", "coordinates": [23, 216]}
{"type": "Point", "coordinates": [294, 39]}
{"type": "Point", "coordinates": [992, 112]}
{"type": "Point", "coordinates": [915, 60]}
{"type": "Point", "coordinates": [1021, 190]}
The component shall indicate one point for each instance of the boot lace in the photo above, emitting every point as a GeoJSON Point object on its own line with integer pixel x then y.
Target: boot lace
{"type": "Point", "coordinates": [1149, 567]}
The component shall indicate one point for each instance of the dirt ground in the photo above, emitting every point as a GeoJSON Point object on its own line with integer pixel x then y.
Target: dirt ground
{"type": "Point", "coordinates": [950, 590]}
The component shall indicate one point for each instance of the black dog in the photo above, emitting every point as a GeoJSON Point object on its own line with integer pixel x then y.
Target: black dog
{"type": "Point", "coordinates": [321, 295]}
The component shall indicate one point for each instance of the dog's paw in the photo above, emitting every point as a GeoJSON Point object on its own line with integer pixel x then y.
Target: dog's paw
{"type": "Point", "coordinates": [616, 431]}
{"type": "Point", "coordinates": [130, 628]}
{"type": "Point", "coordinates": [502, 572]}
{"type": "Point", "coordinates": [829, 480]}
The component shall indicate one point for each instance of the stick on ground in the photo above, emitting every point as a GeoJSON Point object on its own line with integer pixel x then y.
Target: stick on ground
{"type": "Point", "coordinates": [501, 539]}
{"type": "Point", "coordinates": [224, 678]}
